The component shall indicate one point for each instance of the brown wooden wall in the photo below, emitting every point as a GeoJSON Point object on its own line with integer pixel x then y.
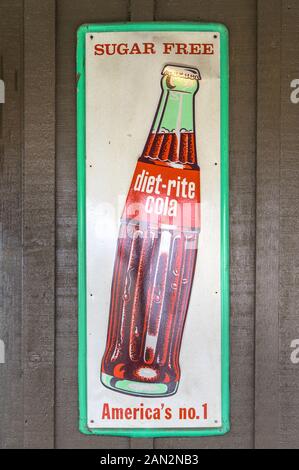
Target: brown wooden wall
{"type": "Point", "coordinates": [38, 255]}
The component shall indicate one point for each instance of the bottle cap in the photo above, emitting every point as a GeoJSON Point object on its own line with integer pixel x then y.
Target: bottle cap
{"type": "Point", "coordinates": [181, 72]}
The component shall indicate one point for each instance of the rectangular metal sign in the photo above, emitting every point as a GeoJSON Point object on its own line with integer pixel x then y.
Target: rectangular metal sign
{"type": "Point", "coordinates": [153, 229]}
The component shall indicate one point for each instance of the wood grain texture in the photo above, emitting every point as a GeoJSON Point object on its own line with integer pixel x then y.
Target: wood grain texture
{"type": "Point", "coordinates": [267, 227]}
{"type": "Point", "coordinates": [70, 15]}
{"type": "Point", "coordinates": [264, 205]}
{"type": "Point", "coordinates": [38, 195]}
{"type": "Point", "coordinates": [289, 230]}
{"type": "Point", "coordinates": [241, 22]}
{"type": "Point", "coordinates": [11, 374]}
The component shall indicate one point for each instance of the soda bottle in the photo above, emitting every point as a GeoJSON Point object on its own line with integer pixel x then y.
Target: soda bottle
{"type": "Point", "coordinates": [157, 249]}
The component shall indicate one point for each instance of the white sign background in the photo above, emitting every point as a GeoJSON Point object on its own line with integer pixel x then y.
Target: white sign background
{"type": "Point", "coordinates": [122, 94]}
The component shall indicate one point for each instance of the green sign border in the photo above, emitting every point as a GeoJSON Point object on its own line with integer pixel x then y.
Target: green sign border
{"type": "Point", "coordinates": [225, 306]}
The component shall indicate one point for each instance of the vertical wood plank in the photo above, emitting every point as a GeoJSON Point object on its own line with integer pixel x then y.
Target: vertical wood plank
{"type": "Point", "coordinates": [38, 301]}
{"type": "Point", "coordinates": [267, 226]}
{"type": "Point", "coordinates": [11, 377]}
{"type": "Point", "coordinates": [142, 10]}
{"type": "Point", "coordinates": [289, 230]}
{"type": "Point", "coordinates": [241, 22]}
{"type": "Point", "coordinates": [70, 15]}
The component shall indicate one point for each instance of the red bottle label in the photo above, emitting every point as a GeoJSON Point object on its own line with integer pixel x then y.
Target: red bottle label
{"type": "Point", "coordinates": [164, 195]}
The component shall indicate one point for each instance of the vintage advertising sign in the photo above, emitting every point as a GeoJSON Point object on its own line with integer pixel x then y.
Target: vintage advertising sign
{"type": "Point", "coordinates": [153, 229]}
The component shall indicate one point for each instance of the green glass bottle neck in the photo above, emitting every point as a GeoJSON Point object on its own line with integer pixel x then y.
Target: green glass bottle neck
{"type": "Point", "coordinates": [175, 112]}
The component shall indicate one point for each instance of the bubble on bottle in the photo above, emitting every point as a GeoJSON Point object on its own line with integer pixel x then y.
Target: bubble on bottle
{"type": "Point", "coordinates": [126, 296]}
{"type": "Point", "coordinates": [138, 234]}
{"type": "Point", "coordinates": [185, 281]}
{"type": "Point", "coordinates": [174, 285]}
{"type": "Point", "coordinates": [157, 297]}
{"type": "Point", "coordinates": [189, 237]}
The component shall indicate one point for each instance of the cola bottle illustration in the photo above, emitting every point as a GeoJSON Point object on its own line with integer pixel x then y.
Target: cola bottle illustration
{"type": "Point", "coordinates": [157, 249]}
